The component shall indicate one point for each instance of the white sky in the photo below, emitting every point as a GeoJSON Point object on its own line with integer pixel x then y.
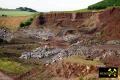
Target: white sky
{"type": "Point", "coordinates": [48, 5]}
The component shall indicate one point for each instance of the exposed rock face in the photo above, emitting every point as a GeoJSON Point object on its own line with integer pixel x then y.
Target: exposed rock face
{"type": "Point", "coordinates": [90, 25]}
{"type": "Point", "coordinates": [31, 36]}
{"type": "Point", "coordinates": [83, 45]}
{"type": "Point", "coordinates": [110, 24]}
{"type": "Point", "coordinates": [5, 34]}
{"type": "Point", "coordinates": [106, 22]}
{"type": "Point", "coordinates": [81, 33]}
{"type": "Point", "coordinates": [64, 19]}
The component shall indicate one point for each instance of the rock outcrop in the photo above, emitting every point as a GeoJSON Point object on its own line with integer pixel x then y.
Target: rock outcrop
{"type": "Point", "coordinates": [106, 22]}
{"type": "Point", "coordinates": [5, 34]}
{"type": "Point", "coordinates": [31, 36]}
{"type": "Point", "coordinates": [110, 24]}
{"type": "Point", "coordinates": [64, 19]}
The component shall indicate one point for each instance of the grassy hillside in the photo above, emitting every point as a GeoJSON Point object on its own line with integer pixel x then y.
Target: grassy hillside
{"type": "Point", "coordinates": [15, 13]}
{"type": "Point", "coordinates": [104, 4]}
{"type": "Point", "coordinates": [13, 18]}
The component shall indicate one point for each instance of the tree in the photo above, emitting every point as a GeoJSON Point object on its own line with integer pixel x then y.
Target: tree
{"type": "Point", "coordinates": [26, 9]}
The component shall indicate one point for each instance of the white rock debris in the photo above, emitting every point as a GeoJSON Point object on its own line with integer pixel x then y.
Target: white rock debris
{"type": "Point", "coordinates": [51, 55]}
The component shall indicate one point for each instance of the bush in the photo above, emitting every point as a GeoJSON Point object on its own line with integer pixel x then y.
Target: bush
{"type": "Point", "coordinates": [4, 15]}
{"type": "Point", "coordinates": [21, 25]}
{"type": "Point", "coordinates": [26, 23]}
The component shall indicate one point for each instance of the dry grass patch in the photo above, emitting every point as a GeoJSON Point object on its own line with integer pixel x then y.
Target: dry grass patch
{"type": "Point", "coordinates": [81, 60]}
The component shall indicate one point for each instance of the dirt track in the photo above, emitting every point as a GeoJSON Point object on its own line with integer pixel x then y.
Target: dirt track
{"type": "Point", "coordinates": [4, 77]}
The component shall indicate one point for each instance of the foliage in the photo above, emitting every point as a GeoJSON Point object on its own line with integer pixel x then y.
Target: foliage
{"type": "Point", "coordinates": [26, 9]}
{"type": "Point", "coordinates": [104, 4]}
{"type": "Point", "coordinates": [12, 67]}
{"type": "Point", "coordinates": [26, 23]}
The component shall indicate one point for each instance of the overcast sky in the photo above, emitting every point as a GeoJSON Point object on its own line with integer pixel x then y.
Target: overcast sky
{"type": "Point", "coordinates": [48, 5]}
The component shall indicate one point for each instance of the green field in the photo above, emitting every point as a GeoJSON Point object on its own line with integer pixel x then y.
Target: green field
{"type": "Point", "coordinates": [16, 13]}
{"type": "Point", "coordinates": [81, 10]}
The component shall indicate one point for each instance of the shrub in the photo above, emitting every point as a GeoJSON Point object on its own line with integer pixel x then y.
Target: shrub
{"type": "Point", "coordinates": [4, 15]}
{"type": "Point", "coordinates": [21, 25]}
{"type": "Point", "coordinates": [26, 23]}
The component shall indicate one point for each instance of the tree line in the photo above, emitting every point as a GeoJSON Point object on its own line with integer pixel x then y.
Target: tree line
{"type": "Point", "coordinates": [19, 9]}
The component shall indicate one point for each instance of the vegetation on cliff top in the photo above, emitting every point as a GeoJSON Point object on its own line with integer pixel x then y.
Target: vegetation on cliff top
{"type": "Point", "coordinates": [104, 4]}
{"type": "Point", "coordinates": [100, 6]}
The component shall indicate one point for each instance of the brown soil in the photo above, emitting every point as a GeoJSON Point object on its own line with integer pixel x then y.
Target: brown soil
{"type": "Point", "coordinates": [63, 19]}
{"type": "Point", "coordinates": [69, 70]}
{"type": "Point", "coordinates": [12, 22]}
{"type": "Point", "coordinates": [110, 20]}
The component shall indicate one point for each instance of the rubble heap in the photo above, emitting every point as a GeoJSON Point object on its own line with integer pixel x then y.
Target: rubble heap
{"type": "Point", "coordinates": [50, 55]}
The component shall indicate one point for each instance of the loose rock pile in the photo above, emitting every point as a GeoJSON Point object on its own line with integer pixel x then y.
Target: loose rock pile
{"type": "Point", "coordinates": [113, 42]}
{"type": "Point", "coordinates": [39, 34]}
{"type": "Point", "coordinates": [50, 55]}
{"type": "Point", "coordinates": [70, 38]}
{"type": "Point", "coordinates": [5, 34]}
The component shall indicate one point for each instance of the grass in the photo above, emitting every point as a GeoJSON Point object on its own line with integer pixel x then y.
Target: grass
{"type": "Point", "coordinates": [11, 67]}
{"type": "Point", "coordinates": [9, 52]}
{"type": "Point", "coordinates": [81, 60]}
{"type": "Point", "coordinates": [16, 13]}
{"type": "Point", "coordinates": [85, 10]}
{"type": "Point", "coordinates": [9, 62]}
{"type": "Point", "coordinates": [81, 10]}
{"type": "Point", "coordinates": [13, 19]}
{"type": "Point", "coordinates": [104, 4]}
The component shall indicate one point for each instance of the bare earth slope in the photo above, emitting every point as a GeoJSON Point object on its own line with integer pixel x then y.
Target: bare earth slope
{"type": "Point", "coordinates": [110, 20]}
{"type": "Point", "coordinates": [12, 22]}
